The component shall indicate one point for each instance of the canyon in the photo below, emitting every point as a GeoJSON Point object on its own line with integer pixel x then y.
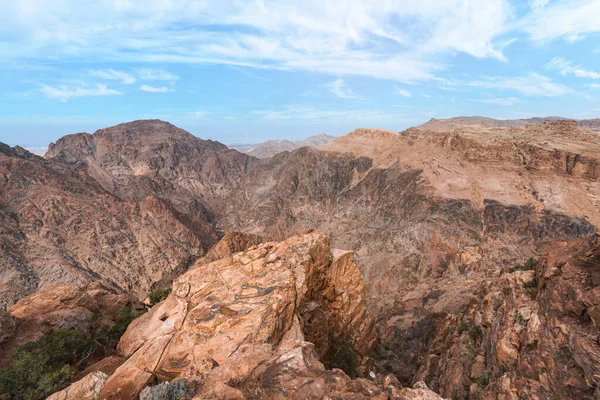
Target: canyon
{"type": "Point", "coordinates": [458, 257]}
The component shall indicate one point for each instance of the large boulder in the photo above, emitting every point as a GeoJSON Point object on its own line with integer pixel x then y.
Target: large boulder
{"type": "Point", "coordinates": [84, 308]}
{"type": "Point", "coordinates": [87, 388]}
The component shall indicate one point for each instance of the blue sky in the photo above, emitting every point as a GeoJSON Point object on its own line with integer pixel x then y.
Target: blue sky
{"type": "Point", "coordinates": [246, 71]}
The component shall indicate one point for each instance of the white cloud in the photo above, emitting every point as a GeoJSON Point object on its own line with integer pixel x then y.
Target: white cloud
{"type": "Point", "coordinates": [361, 37]}
{"type": "Point", "coordinates": [153, 89]}
{"type": "Point", "coordinates": [566, 67]}
{"type": "Point", "coordinates": [299, 112]}
{"type": "Point", "coordinates": [571, 19]}
{"type": "Point", "coordinates": [595, 85]}
{"type": "Point", "coordinates": [149, 74]}
{"type": "Point", "coordinates": [538, 4]}
{"type": "Point", "coordinates": [501, 101]}
{"type": "Point", "coordinates": [529, 85]}
{"type": "Point", "coordinates": [111, 74]}
{"type": "Point", "coordinates": [198, 114]}
{"type": "Point", "coordinates": [340, 89]}
{"type": "Point", "coordinates": [402, 92]}
{"type": "Point", "coordinates": [142, 74]}
{"type": "Point", "coordinates": [64, 93]}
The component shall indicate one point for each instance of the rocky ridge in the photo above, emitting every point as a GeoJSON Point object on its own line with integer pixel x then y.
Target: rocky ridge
{"type": "Point", "coordinates": [455, 122]}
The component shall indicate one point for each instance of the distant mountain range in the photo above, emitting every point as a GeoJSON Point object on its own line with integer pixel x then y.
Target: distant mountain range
{"type": "Point", "coordinates": [444, 124]}
{"type": "Point", "coordinates": [272, 147]}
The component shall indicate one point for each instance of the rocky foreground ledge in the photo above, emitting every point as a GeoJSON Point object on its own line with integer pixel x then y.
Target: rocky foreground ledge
{"type": "Point", "coordinates": [257, 324]}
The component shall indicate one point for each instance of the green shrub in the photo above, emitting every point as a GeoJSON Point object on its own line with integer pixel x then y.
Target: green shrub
{"type": "Point", "coordinates": [531, 284]}
{"type": "Point", "coordinates": [475, 333]}
{"type": "Point", "coordinates": [518, 318]}
{"type": "Point", "coordinates": [344, 356]}
{"type": "Point", "coordinates": [110, 336]}
{"type": "Point", "coordinates": [158, 295]}
{"type": "Point", "coordinates": [45, 366]}
{"type": "Point", "coordinates": [218, 231]}
{"type": "Point", "coordinates": [529, 265]}
{"type": "Point", "coordinates": [463, 327]}
{"type": "Point", "coordinates": [484, 379]}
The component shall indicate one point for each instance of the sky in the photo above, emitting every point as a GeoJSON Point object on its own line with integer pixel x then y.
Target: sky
{"type": "Point", "coordinates": [251, 70]}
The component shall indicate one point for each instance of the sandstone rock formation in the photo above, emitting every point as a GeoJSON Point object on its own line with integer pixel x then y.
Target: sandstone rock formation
{"type": "Point", "coordinates": [85, 308]}
{"type": "Point", "coordinates": [88, 388]}
{"type": "Point", "coordinates": [242, 320]}
{"type": "Point", "coordinates": [529, 334]}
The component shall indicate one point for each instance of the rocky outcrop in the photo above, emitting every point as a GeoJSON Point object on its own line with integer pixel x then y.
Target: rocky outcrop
{"type": "Point", "coordinates": [530, 333]}
{"type": "Point", "coordinates": [85, 309]}
{"type": "Point", "coordinates": [231, 243]}
{"type": "Point", "coordinates": [239, 321]}
{"type": "Point", "coordinates": [87, 388]}
{"type": "Point", "coordinates": [450, 124]}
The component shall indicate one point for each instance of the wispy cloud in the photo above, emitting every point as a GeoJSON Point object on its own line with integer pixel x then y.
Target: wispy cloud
{"type": "Point", "coordinates": [529, 85]}
{"type": "Point", "coordinates": [402, 92]}
{"type": "Point", "coordinates": [340, 89]}
{"type": "Point", "coordinates": [566, 67]}
{"type": "Point", "coordinates": [111, 74]}
{"type": "Point", "coordinates": [570, 19]}
{"type": "Point", "coordinates": [153, 89]}
{"type": "Point", "coordinates": [150, 74]}
{"type": "Point", "coordinates": [64, 93]}
{"type": "Point", "coordinates": [361, 37]}
{"type": "Point", "coordinates": [198, 114]}
{"type": "Point", "coordinates": [501, 101]}
{"type": "Point", "coordinates": [299, 112]}
{"type": "Point", "coordinates": [538, 4]}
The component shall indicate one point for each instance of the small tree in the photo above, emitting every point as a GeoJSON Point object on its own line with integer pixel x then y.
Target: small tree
{"type": "Point", "coordinates": [158, 295]}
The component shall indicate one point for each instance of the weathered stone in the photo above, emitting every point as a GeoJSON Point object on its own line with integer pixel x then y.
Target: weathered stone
{"type": "Point", "coordinates": [87, 388]}
{"type": "Point", "coordinates": [239, 324]}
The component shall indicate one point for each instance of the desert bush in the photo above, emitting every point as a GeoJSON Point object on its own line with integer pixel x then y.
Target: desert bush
{"type": "Point", "coordinates": [45, 366]}
{"type": "Point", "coordinates": [528, 265]}
{"type": "Point", "coordinates": [531, 284]}
{"type": "Point", "coordinates": [110, 335]}
{"type": "Point", "coordinates": [344, 356]}
{"type": "Point", "coordinates": [175, 390]}
{"type": "Point", "coordinates": [158, 295]}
